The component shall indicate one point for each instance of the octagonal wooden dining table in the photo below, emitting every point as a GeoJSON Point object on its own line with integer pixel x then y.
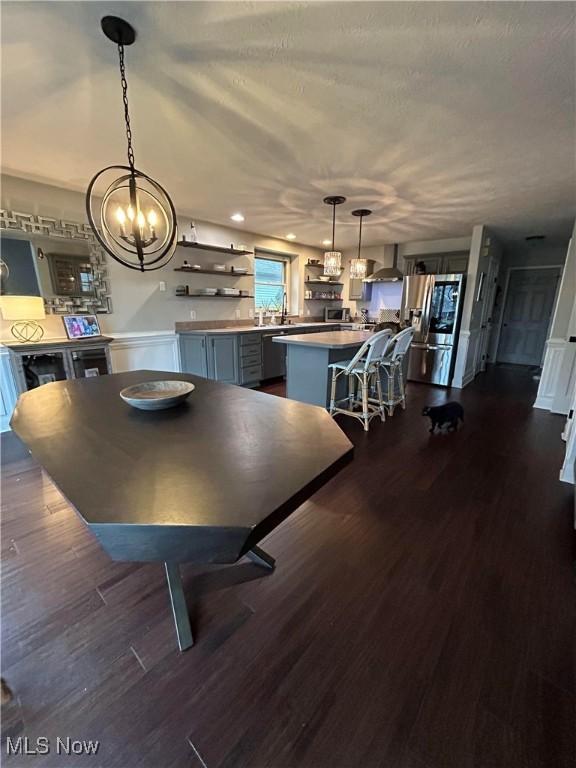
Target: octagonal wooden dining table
{"type": "Point", "coordinates": [203, 482]}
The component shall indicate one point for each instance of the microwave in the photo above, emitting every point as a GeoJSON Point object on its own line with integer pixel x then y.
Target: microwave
{"type": "Point", "coordinates": [340, 315]}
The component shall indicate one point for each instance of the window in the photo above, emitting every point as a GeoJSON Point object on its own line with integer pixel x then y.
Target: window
{"type": "Point", "coordinates": [270, 282]}
{"type": "Point", "coordinates": [71, 275]}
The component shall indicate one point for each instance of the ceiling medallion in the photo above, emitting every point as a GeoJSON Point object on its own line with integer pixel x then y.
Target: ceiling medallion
{"type": "Point", "coordinates": [333, 258]}
{"type": "Point", "coordinates": [359, 266]}
{"type": "Point", "coordinates": [131, 214]}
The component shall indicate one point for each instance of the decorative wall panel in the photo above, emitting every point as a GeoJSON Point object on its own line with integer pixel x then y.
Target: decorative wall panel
{"type": "Point", "coordinates": [67, 230]}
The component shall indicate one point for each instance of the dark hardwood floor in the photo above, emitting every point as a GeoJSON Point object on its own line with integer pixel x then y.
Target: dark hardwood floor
{"type": "Point", "coordinates": [421, 614]}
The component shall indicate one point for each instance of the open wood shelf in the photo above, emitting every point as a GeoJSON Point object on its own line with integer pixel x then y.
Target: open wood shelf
{"type": "Point", "coordinates": [319, 298]}
{"type": "Point", "coordinates": [315, 266]}
{"type": "Point", "coordinates": [227, 272]}
{"type": "Point", "coordinates": [203, 296]}
{"type": "Point", "coordinates": [216, 248]}
{"type": "Point", "coordinates": [322, 282]}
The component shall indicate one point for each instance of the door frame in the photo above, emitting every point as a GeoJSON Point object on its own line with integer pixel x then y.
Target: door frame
{"type": "Point", "coordinates": [505, 299]}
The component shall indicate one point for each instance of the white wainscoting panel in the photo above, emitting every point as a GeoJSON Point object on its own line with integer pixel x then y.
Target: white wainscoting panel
{"type": "Point", "coordinates": [569, 435]}
{"type": "Point", "coordinates": [467, 358]}
{"type": "Point", "coordinates": [8, 393]}
{"type": "Point", "coordinates": [563, 401]}
{"type": "Point", "coordinates": [550, 380]}
{"type": "Point", "coordinates": [155, 351]}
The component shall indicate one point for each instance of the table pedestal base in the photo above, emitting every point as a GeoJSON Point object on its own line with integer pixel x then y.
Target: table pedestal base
{"type": "Point", "coordinates": [178, 599]}
{"type": "Point", "coordinates": [262, 558]}
{"type": "Point", "coordinates": [179, 610]}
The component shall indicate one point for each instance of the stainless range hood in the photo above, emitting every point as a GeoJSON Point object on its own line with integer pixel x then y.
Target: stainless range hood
{"type": "Point", "coordinates": [387, 274]}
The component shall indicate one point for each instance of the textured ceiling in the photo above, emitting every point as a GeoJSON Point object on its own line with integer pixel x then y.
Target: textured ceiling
{"type": "Point", "coordinates": [436, 115]}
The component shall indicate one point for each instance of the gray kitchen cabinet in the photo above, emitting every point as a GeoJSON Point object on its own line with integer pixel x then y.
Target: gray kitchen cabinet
{"type": "Point", "coordinates": [250, 358]}
{"type": "Point", "coordinates": [432, 264]}
{"type": "Point", "coordinates": [239, 358]}
{"type": "Point", "coordinates": [223, 358]}
{"type": "Point", "coordinates": [25, 366]}
{"type": "Point", "coordinates": [455, 263]}
{"type": "Point", "coordinates": [193, 355]}
{"type": "Point", "coordinates": [438, 263]}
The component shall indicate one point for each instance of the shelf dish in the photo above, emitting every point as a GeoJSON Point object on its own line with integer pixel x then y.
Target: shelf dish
{"type": "Point", "coordinates": [216, 248]}
{"type": "Point", "coordinates": [204, 296]}
{"type": "Point", "coordinates": [228, 292]}
{"type": "Point", "coordinates": [228, 273]}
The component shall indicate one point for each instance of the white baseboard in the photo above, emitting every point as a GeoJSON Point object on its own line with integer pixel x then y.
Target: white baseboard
{"type": "Point", "coordinates": [567, 475]}
{"type": "Point", "coordinates": [544, 402]}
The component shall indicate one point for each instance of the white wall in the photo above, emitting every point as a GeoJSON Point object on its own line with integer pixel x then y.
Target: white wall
{"type": "Point", "coordinates": [485, 252]}
{"type": "Point", "coordinates": [558, 379]}
{"type": "Point", "coordinates": [137, 303]}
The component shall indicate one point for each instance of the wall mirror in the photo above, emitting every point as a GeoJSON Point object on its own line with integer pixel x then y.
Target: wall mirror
{"type": "Point", "coordinates": [58, 260]}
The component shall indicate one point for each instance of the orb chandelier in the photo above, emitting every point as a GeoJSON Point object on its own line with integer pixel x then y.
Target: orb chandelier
{"type": "Point", "coordinates": [359, 266]}
{"type": "Point", "coordinates": [333, 258]}
{"type": "Point", "coordinates": [131, 214]}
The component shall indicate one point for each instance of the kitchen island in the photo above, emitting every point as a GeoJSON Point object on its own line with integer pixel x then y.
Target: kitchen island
{"type": "Point", "coordinates": [308, 376]}
{"type": "Point", "coordinates": [242, 355]}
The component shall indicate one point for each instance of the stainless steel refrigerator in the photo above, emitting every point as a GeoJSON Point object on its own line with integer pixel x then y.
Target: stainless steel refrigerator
{"type": "Point", "coordinates": [432, 305]}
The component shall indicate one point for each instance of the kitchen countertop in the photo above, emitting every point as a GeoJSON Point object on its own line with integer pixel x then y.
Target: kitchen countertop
{"type": "Point", "coordinates": [55, 341]}
{"type": "Point", "coordinates": [328, 339]}
{"type": "Point", "coordinates": [256, 328]}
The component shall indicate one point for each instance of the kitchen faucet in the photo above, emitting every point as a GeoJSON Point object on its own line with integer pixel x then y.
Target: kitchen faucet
{"type": "Point", "coordinates": [284, 314]}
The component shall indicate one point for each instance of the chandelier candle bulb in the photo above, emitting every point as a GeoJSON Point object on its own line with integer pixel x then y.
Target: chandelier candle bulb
{"type": "Point", "coordinates": [121, 216]}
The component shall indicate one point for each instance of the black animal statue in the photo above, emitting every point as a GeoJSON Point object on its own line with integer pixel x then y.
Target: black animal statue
{"type": "Point", "coordinates": [442, 415]}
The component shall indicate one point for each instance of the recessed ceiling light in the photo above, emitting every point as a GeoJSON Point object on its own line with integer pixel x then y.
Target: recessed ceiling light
{"type": "Point", "coordinates": [237, 217]}
{"type": "Point", "coordinates": [290, 236]}
{"type": "Point", "coordinates": [326, 242]}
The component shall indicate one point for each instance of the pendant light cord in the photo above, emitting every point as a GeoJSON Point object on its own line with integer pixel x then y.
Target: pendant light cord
{"type": "Point", "coordinates": [333, 225]}
{"type": "Point", "coordinates": [124, 83]}
{"type": "Point", "coordinates": [360, 238]}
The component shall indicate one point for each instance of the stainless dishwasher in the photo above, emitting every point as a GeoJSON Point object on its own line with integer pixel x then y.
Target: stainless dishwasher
{"type": "Point", "coordinates": [273, 356]}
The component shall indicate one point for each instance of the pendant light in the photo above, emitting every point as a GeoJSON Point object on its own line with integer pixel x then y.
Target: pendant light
{"type": "Point", "coordinates": [358, 266]}
{"type": "Point", "coordinates": [132, 215]}
{"type": "Point", "coordinates": [333, 258]}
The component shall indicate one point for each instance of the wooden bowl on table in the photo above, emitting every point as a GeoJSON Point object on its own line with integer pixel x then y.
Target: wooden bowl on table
{"type": "Point", "coordinates": [156, 395]}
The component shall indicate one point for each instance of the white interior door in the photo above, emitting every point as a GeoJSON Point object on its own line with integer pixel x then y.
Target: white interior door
{"type": "Point", "coordinates": [527, 313]}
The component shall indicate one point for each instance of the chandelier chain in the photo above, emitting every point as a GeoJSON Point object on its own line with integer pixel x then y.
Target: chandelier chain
{"type": "Point", "coordinates": [333, 225]}
{"type": "Point", "coordinates": [124, 84]}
